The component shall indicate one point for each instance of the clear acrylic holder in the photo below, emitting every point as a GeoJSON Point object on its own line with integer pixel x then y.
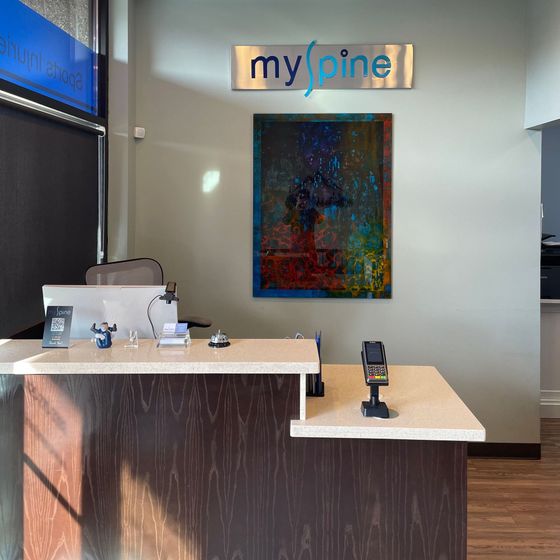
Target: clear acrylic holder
{"type": "Point", "coordinates": [132, 339]}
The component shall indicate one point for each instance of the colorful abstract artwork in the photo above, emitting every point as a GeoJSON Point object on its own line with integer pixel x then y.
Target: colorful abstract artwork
{"type": "Point", "coordinates": [322, 205]}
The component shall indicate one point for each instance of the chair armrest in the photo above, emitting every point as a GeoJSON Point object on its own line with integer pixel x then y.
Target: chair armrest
{"type": "Point", "coordinates": [194, 321]}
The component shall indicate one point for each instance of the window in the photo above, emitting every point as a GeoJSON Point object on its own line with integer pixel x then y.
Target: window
{"type": "Point", "coordinates": [52, 52]}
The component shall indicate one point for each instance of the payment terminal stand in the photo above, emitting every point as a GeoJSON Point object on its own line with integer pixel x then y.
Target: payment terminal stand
{"type": "Point", "coordinates": [375, 374]}
{"type": "Point", "coordinates": [374, 408]}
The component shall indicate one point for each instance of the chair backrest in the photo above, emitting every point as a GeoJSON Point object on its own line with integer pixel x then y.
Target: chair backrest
{"type": "Point", "coordinates": [132, 272]}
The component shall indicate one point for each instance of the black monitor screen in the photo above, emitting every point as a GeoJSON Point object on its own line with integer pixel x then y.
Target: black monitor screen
{"type": "Point", "coordinates": [374, 355]}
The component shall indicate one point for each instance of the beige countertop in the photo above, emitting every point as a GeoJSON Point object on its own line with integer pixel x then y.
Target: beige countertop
{"type": "Point", "coordinates": [272, 356]}
{"type": "Point", "coordinates": [421, 403]}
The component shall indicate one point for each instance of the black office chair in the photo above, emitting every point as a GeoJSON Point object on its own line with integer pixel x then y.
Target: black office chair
{"type": "Point", "coordinates": [135, 272]}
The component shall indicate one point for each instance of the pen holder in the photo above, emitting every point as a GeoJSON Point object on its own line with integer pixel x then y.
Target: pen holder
{"type": "Point", "coordinates": [315, 384]}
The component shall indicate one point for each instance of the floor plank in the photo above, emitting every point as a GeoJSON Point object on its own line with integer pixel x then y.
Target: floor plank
{"type": "Point", "coordinates": [514, 505]}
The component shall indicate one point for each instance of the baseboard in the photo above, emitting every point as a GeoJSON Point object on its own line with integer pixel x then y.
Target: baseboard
{"type": "Point", "coordinates": [550, 404]}
{"type": "Point", "coordinates": [505, 450]}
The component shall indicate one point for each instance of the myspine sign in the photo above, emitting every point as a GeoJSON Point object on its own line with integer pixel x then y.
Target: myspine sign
{"type": "Point", "coordinates": [311, 67]}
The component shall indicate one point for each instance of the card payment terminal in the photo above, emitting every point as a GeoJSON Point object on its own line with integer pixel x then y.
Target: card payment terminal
{"type": "Point", "coordinates": [375, 373]}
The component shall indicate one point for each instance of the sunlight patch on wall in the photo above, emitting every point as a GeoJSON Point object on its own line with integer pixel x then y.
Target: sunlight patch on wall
{"type": "Point", "coordinates": [210, 181]}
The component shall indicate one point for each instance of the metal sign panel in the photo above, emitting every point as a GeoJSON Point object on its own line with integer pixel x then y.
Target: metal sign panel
{"type": "Point", "coordinates": [313, 66]}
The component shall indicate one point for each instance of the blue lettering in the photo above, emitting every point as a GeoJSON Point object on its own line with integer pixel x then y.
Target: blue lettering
{"type": "Point", "coordinates": [328, 66]}
{"type": "Point", "coordinates": [364, 62]}
{"type": "Point", "coordinates": [344, 54]}
{"type": "Point", "coordinates": [381, 66]}
{"type": "Point", "coordinates": [322, 74]}
{"type": "Point", "coordinates": [265, 62]}
{"type": "Point", "coordinates": [309, 68]}
{"type": "Point", "coordinates": [292, 71]}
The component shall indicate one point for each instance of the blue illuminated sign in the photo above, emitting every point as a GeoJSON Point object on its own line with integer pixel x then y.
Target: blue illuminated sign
{"type": "Point", "coordinates": [39, 56]}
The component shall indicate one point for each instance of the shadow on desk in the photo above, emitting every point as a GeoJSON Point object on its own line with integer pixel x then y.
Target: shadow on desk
{"type": "Point", "coordinates": [148, 466]}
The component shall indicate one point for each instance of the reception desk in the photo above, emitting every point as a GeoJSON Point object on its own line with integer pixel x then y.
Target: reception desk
{"type": "Point", "coordinates": [216, 454]}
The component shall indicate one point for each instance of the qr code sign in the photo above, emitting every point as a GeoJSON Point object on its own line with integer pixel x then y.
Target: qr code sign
{"type": "Point", "coordinates": [57, 324]}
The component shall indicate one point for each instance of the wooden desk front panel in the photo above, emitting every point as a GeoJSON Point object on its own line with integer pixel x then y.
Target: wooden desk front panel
{"type": "Point", "coordinates": [202, 467]}
{"type": "Point", "coordinates": [11, 467]}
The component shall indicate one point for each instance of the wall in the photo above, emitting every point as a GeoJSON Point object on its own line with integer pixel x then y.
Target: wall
{"type": "Point", "coordinates": [543, 70]}
{"type": "Point", "coordinates": [122, 147]}
{"type": "Point", "coordinates": [466, 185]}
{"type": "Point", "coordinates": [550, 360]}
{"type": "Point", "coordinates": [550, 313]}
{"type": "Point", "coordinates": [550, 180]}
{"type": "Point", "coordinates": [543, 111]}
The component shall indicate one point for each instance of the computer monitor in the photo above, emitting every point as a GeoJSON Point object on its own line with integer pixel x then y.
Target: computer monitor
{"type": "Point", "coordinates": [127, 306]}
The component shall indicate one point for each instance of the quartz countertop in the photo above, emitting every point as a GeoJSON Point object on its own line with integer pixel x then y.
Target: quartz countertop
{"type": "Point", "coordinates": [422, 406]}
{"type": "Point", "coordinates": [268, 356]}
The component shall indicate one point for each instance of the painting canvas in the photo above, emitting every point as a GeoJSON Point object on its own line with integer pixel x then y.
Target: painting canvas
{"type": "Point", "coordinates": [322, 205]}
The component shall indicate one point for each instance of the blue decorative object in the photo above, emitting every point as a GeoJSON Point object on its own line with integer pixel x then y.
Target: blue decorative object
{"type": "Point", "coordinates": [39, 56]}
{"type": "Point", "coordinates": [103, 338]}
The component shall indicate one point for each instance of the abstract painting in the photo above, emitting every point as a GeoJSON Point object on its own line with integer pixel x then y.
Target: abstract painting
{"type": "Point", "coordinates": [322, 205]}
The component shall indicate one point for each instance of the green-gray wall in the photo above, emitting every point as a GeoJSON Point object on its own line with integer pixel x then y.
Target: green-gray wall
{"type": "Point", "coordinates": [466, 184]}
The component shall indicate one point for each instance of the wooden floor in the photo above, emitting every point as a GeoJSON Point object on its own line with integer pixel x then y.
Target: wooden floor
{"type": "Point", "coordinates": [514, 505]}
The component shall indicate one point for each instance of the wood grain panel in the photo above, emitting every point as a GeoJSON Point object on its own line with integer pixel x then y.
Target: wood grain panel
{"type": "Point", "coordinates": [200, 467]}
{"type": "Point", "coordinates": [52, 474]}
{"type": "Point", "coordinates": [11, 467]}
{"type": "Point", "coordinates": [387, 499]}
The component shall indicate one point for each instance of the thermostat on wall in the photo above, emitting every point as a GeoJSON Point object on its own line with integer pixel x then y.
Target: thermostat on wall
{"type": "Point", "coordinates": [139, 132]}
